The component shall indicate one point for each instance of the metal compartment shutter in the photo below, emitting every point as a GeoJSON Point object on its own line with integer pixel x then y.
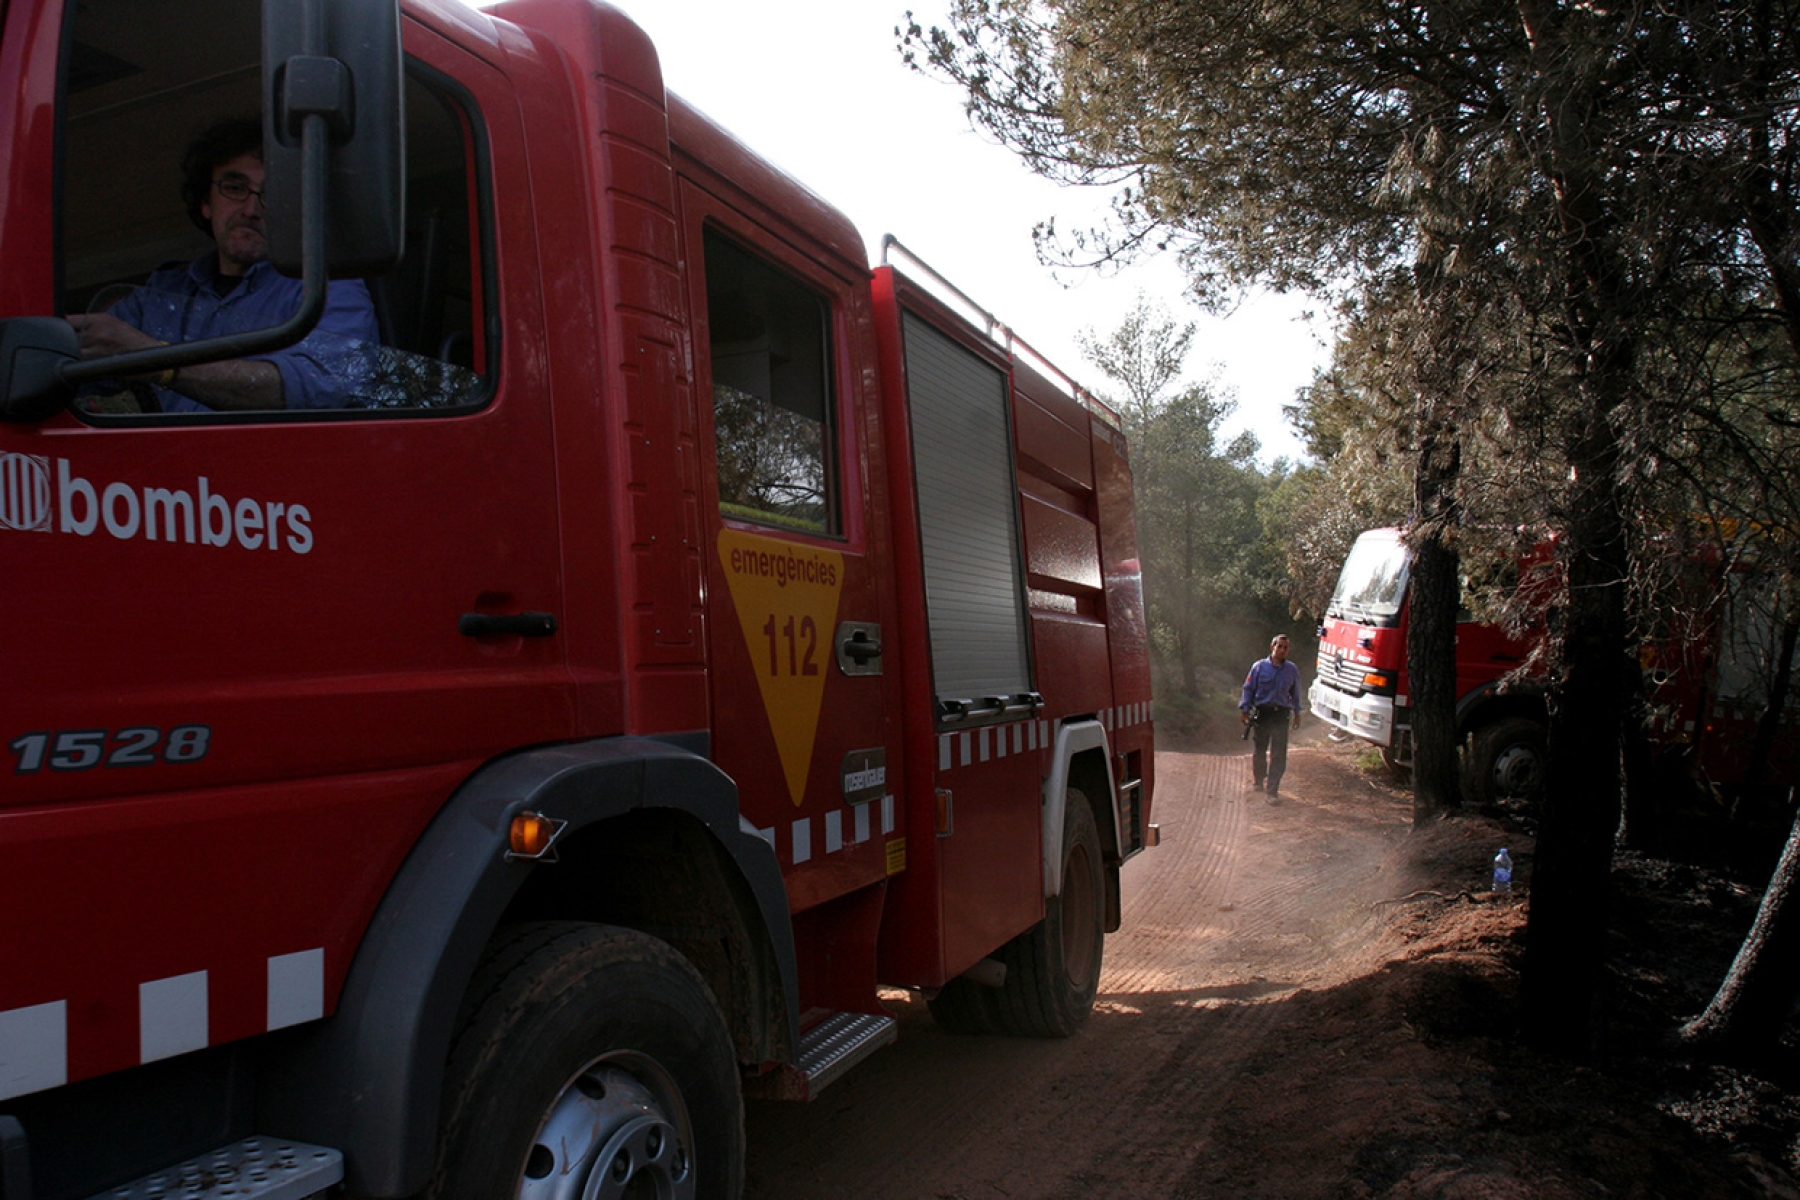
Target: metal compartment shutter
{"type": "Point", "coordinates": [962, 463]}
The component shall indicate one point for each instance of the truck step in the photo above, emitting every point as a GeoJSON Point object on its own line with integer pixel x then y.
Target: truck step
{"type": "Point", "coordinates": [257, 1168]}
{"type": "Point", "coordinates": [827, 1051]}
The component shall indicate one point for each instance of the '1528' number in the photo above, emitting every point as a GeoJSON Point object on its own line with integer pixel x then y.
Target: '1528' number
{"type": "Point", "coordinates": [85, 749]}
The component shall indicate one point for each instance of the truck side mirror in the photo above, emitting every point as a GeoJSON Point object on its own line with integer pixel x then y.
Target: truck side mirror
{"type": "Point", "coordinates": [32, 351]}
{"type": "Point", "coordinates": [339, 59]}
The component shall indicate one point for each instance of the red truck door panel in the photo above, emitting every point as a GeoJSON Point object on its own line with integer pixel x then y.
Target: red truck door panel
{"type": "Point", "coordinates": [796, 571]}
{"type": "Point", "coordinates": [246, 685]}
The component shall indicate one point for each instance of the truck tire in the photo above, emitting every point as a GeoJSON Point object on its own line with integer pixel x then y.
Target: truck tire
{"type": "Point", "coordinates": [1505, 763]}
{"type": "Point", "coordinates": [966, 1007]}
{"type": "Point", "coordinates": [1053, 969]}
{"type": "Point", "coordinates": [1398, 771]}
{"type": "Point", "coordinates": [593, 1061]}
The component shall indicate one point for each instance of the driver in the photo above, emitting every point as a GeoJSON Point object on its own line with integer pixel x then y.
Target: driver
{"type": "Point", "coordinates": [233, 290]}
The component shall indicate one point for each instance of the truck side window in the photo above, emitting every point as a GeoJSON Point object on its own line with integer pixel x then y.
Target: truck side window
{"type": "Point", "coordinates": [771, 392]}
{"type": "Point", "coordinates": [140, 245]}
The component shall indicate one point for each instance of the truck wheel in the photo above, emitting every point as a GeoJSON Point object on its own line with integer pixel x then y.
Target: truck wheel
{"type": "Point", "coordinates": [1053, 969]}
{"type": "Point", "coordinates": [1398, 771]}
{"type": "Point", "coordinates": [964, 1006]}
{"type": "Point", "coordinates": [1506, 762]}
{"type": "Point", "coordinates": [593, 1063]}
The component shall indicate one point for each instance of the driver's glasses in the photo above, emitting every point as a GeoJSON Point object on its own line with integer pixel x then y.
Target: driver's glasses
{"type": "Point", "coordinates": [236, 188]}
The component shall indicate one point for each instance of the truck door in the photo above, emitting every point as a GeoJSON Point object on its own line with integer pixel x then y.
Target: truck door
{"type": "Point", "coordinates": [797, 575]}
{"type": "Point", "coordinates": [249, 683]}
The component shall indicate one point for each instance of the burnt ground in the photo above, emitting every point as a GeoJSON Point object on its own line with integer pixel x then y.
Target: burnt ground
{"type": "Point", "coordinates": [1311, 1000]}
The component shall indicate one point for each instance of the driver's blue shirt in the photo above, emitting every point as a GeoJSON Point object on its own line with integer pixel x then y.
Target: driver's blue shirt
{"type": "Point", "coordinates": [1269, 684]}
{"type": "Point", "coordinates": [183, 302]}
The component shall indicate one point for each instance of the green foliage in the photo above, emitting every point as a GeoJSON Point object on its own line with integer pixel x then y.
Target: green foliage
{"type": "Point", "coordinates": [1213, 579]}
{"type": "Point", "coordinates": [1370, 762]}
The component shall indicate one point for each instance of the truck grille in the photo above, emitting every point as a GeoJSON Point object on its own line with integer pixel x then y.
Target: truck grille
{"type": "Point", "coordinates": [1341, 675]}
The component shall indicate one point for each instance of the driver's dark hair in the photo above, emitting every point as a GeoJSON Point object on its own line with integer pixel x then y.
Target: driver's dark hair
{"type": "Point", "coordinates": [218, 144]}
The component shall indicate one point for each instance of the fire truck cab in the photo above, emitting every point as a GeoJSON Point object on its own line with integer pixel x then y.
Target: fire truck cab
{"type": "Point", "coordinates": [1362, 688]}
{"type": "Point", "coordinates": [1710, 675]}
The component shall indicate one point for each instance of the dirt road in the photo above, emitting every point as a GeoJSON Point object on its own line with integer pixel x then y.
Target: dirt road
{"type": "Point", "coordinates": [1304, 1001]}
{"type": "Point", "coordinates": [1244, 903]}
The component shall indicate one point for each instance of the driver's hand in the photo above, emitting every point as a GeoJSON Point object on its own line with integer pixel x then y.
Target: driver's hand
{"type": "Point", "coordinates": [122, 401]}
{"type": "Point", "coordinates": [102, 334]}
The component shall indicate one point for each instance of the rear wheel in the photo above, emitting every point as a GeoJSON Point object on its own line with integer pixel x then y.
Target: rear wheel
{"type": "Point", "coordinates": [1506, 763]}
{"type": "Point", "coordinates": [1053, 968]}
{"type": "Point", "coordinates": [593, 1064]}
{"type": "Point", "coordinates": [964, 1006]}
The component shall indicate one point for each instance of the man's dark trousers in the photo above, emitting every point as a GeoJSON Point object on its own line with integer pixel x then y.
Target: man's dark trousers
{"type": "Point", "coordinates": [1269, 761]}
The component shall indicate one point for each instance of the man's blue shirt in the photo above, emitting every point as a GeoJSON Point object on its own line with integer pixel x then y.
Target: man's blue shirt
{"type": "Point", "coordinates": [1269, 684]}
{"type": "Point", "coordinates": [181, 303]}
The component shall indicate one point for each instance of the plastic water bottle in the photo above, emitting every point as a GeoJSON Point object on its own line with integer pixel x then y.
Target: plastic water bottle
{"type": "Point", "coordinates": [1503, 871]}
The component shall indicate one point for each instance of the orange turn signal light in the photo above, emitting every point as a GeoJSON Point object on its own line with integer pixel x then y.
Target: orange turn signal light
{"type": "Point", "coordinates": [532, 834]}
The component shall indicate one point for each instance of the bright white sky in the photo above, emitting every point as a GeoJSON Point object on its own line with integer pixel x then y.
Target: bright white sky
{"type": "Point", "coordinates": [818, 87]}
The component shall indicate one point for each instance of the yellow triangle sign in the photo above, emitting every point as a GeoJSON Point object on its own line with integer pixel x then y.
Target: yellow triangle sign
{"type": "Point", "coordinates": [786, 596]}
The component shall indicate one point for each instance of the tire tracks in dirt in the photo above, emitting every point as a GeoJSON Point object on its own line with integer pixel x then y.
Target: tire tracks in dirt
{"type": "Point", "coordinates": [1242, 904]}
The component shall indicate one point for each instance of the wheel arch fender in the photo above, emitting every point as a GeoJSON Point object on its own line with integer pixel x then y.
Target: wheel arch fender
{"type": "Point", "coordinates": [1074, 739]}
{"type": "Point", "coordinates": [368, 1080]}
{"type": "Point", "coordinates": [1487, 703]}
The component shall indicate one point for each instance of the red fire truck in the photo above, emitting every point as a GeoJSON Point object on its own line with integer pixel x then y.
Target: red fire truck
{"type": "Point", "coordinates": [1707, 685]}
{"type": "Point", "coordinates": [674, 632]}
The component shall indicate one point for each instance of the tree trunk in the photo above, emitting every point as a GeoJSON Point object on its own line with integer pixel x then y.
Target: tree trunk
{"type": "Point", "coordinates": [1770, 724]}
{"type": "Point", "coordinates": [1431, 667]}
{"type": "Point", "coordinates": [1746, 1016]}
{"type": "Point", "coordinates": [1434, 588]}
{"type": "Point", "coordinates": [1645, 793]}
{"type": "Point", "coordinates": [1565, 948]}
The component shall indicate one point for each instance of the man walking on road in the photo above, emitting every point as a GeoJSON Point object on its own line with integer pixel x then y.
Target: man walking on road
{"type": "Point", "coordinates": [1270, 701]}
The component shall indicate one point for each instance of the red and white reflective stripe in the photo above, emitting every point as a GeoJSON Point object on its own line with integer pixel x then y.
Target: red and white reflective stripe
{"type": "Point", "coordinates": [34, 1048]}
{"type": "Point", "coordinates": [968, 746]}
{"type": "Point", "coordinates": [1126, 715]}
{"type": "Point", "coordinates": [833, 837]}
{"type": "Point", "coordinates": [174, 1017]}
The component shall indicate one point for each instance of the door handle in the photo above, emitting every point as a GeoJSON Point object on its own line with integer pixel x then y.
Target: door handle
{"type": "Point", "coordinates": [525, 624]}
{"type": "Point", "coordinates": [859, 648]}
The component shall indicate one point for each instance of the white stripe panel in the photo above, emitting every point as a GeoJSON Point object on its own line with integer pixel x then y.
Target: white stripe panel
{"type": "Point", "coordinates": [296, 988]}
{"type": "Point", "coordinates": [862, 822]}
{"type": "Point", "coordinates": [944, 740]}
{"type": "Point", "coordinates": [34, 1048]}
{"type": "Point", "coordinates": [172, 1016]}
{"type": "Point", "coordinates": [986, 743]}
{"type": "Point", "coordinates": [887, 814]}
{"type": "Point", "coordinates": [834, 831]}
{"type": "Point", "coordinates": [803, 840]}
{"type": "Point", "coordinates": [767, 835]}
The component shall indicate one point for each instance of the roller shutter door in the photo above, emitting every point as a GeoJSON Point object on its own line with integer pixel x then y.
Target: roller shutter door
{"type": "Point", "coordinates": [974, 588]}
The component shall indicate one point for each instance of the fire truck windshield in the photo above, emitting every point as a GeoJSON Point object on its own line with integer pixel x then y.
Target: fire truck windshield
{"type": "Point", "coordinates": [1372, 584]}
